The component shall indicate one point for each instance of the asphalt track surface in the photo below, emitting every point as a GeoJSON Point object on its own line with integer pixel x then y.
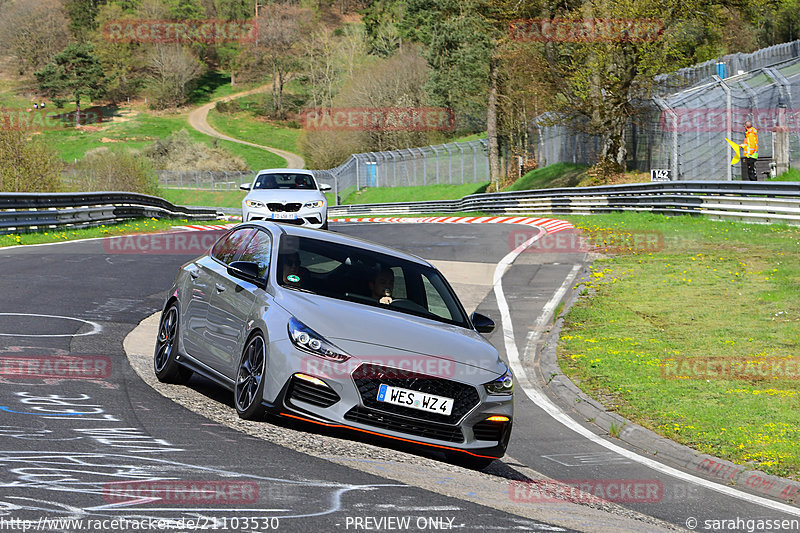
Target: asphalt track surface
{"type": "Point", "coordinates": [66, 445]}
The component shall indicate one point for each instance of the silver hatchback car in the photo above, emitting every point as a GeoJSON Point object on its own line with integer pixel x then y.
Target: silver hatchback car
{"type": "Point", "coordinates": [290, 196]}
{"type": "Point", "coordinates": [337, 331]}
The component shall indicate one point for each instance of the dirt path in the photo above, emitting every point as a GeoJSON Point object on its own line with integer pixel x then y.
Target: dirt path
{"type": "Point", "coordinates": [198, 119]}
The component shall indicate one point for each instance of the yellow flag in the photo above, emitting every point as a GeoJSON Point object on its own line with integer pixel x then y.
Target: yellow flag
{"type": "Point", "coordinates": [736, 154]}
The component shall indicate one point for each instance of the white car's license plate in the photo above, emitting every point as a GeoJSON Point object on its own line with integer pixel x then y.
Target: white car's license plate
{"type": "Point", "coordinates": [284, 216]}
{"type": "Point", "coordinates": [415, 399]}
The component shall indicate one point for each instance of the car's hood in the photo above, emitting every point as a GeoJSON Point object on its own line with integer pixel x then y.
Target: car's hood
{"type": "Point", "coordinates": [370, 333]}
{"type": "Point", "coordinates": [285, 195]}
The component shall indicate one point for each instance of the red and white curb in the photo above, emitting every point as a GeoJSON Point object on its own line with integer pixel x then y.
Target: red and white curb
{"type": "Point", "coordinates": [550, 225]}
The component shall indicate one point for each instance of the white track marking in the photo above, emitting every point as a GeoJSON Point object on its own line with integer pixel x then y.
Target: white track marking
{"type": "Point", "coordinates": [96, 328]}
{"type": "Point", "coordinates": [541, 400]}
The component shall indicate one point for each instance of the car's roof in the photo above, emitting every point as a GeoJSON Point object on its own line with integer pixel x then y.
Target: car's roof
{"type": "Point", "coordinates": [338, 238]}
{"type": "Point", "coordinates": [284, 171]}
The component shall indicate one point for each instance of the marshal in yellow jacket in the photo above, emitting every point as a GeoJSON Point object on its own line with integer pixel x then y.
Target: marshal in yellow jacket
{"type": "Point", "coordinates": [750, 146]}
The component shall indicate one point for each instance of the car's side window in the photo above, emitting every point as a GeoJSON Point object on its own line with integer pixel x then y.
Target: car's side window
{"type": "Point", "coordinates": [258, 250]}
{"type": "Point", "coordinates": [226, 248]}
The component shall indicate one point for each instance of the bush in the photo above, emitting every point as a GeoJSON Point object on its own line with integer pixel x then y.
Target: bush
{"type": "Point", "coordinates": [179, 152]}
{"type": "Point", "coordinates": [27, 165]}
{"type": "Point", "coordinates": [229, 106]}
{"type": "Point", "coordinates": [102, 169]}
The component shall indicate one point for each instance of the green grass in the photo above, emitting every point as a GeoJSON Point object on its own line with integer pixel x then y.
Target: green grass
{"type": "Point", "coordinates": [142, 225]}
{"type": "Point", "coordinates": [716, 290]}
{"type": "Point", "coordinates": [244, 126]}
{"type": "Point", "coordinates": [213, 85]}
{"type": "Point", "coordinates": [793, 174]}
{"type": "Point", "coordinates": [376, 195]}
{"type": "Point", "coordinates": [556, 175]}
{"type": "Point", "coordinates": [141, 129]}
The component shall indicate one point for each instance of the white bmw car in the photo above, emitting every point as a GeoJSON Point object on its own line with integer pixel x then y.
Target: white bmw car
{"type": "Point", "coordinates": [286, 195]}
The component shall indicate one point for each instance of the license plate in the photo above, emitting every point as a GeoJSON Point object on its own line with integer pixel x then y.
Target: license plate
{"type": "Point", "coordinates": [415, 399]}
{"type": "Point", "coordinates": [284, 216]}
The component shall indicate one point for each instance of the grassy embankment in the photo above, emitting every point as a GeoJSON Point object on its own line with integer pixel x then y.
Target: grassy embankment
{"type": "Point", "coordinates": [722, 290]}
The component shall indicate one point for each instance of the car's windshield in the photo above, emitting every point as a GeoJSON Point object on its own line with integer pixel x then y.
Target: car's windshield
{"type": "Point", "coordinates": [284, 181]}
{"type": "Point", "coordinates": [366, 277]}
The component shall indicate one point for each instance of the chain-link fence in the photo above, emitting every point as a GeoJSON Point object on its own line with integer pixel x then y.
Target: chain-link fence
{"type": "Point", "coordinates": [220, 180]}
{"type": "Point", "coordinates": [684, 131]}
{"type": "Point", "coordinates": [452, 163]}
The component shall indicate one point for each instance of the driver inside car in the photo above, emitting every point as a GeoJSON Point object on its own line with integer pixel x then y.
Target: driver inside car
{"type": "Point", "coordinates": [381, 286]}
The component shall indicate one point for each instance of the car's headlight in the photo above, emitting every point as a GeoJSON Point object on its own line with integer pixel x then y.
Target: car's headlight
{"type": "Point", "coordinates": [502, 385]}
{"type": "Point", "coordinates": [312, 205]}
{"type": "Point", "coordinates": [310, 341]}
{"type": "Point", "coordinates": [254, 203]}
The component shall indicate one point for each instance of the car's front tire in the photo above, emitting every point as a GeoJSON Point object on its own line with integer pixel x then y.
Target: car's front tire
{"type": "Point", "coordinates": [250, 373]}
{"type": "Point", "coordinates": [165, 359]}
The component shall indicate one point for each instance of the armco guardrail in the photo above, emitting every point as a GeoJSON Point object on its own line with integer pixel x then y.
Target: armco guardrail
{"type": "Point", "coordinates": [765, 202]}
{"type": "Point", "coordinates": [23, 212]}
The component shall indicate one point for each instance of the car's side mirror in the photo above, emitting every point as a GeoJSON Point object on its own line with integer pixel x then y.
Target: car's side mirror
{"type": "Point", "coordinates": [248, 271]}
{"type": "Point", "coordinates": [482, 323]}
{"type": "Point", "coordinates": [245, 186]}
{"type": "Point", "coordinates": [324, 187]}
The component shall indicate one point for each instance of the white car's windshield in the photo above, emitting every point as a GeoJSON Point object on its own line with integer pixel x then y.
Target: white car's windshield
{"type": "Point", "coordinates": [366, 277]}
{"type": "Point", "coordinates": [284, 181]}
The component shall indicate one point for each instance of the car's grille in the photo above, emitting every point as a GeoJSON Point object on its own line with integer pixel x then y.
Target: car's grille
{"type": "Point", "coordinates": [368, 377]}
{"type": "Point", "coordinates": [304, 391]}
{"type": "Point", "coordinates": [283, 208]}
{"type": "Point", "coordinates": [403, 424]}
{"type": "Point", "coordinates": [488, 430]}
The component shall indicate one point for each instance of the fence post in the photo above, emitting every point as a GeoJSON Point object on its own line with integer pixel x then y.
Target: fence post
{"type": "Point", "coordinates": [436, 160]}
{"type": "Point", "coordinates": [461, 157]}
{"type": "Point", "coordinates": [474, 163]}
{"type": "Point", "coordinates": [424, 166]}
{"type": "Point", "coordinates": [728, 117]}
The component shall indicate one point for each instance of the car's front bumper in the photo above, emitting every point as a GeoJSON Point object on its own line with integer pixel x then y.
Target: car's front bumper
{"type": "Point", "coordinates": [345, 401]}
{"type": "Point", "coordinates": [313, 218]}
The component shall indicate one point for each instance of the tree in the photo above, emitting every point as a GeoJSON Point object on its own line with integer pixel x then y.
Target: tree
{"type": "Point", "coordinates": [82, 15]}
{"type": "Point", "coordinates": [381, 23]}
{"type": "Point", "coordinates": [27, 165]}
{"type": "Point", "coordinates": [123, 62]}
{"type": "Point", "coordinates": [600, 80]}
{"type": "Point", "coordinates": [75, 72]}
{"type": "Point", "coordinates": [461, 39]}
{"type": "Point", "coordinates": [173, 70]}
{"type": "Point", "coordinates": [34, 31]}
{"type": "Point", "coordinates": [281, 27]}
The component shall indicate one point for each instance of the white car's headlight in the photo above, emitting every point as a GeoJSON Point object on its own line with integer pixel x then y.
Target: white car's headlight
{"type": "Point", "coordinates": [254, 203]}
{"type": "Point", "coordinates": [312, 205]}
{"type": "Point", "coordinates": [502, 385]}
{"type": "Point", "coordinates": [309, 340]}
